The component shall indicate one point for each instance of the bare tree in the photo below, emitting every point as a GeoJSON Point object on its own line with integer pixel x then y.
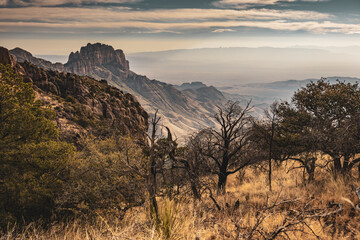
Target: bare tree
{"type": "Point", "coordinates": [226, 149]}
{"type": "Point", "coordinates": [152, 167]}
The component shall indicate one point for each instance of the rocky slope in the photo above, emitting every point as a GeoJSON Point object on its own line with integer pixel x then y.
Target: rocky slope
{"type": "Point", "coordinates": [83, 105]}
{"type": "Point", "coordinates": [182, 111]}
{"type": "Point", "coordinates": [207, 96]}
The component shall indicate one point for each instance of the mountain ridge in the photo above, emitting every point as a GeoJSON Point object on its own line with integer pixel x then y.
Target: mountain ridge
{"type": "Point", "coordinates": [293, 83]}
{"type": "Point", "coordinates": [22, 55]}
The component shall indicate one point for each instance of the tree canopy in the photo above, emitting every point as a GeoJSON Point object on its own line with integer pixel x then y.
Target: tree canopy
{"type": "Point", "coordinates": [324, 117]}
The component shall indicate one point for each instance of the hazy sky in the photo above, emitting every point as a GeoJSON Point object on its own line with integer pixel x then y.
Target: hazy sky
{"type": "Point", "coordinates": [61, 26]}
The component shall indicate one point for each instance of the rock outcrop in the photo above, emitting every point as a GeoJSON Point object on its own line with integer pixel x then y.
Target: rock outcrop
{"type": "Point", "coordinates": [6, 58]}
{"type": "Point", "coordinates": [84, 105]}
{"type": "Point", "coordinates": [86, 62]}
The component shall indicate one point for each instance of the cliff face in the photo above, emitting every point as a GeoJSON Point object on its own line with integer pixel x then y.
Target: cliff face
{"type": "Point", "coordinates": [84, 105]}
{"type": "Point", "coordinates": [181, 111]}
{"type": "Point", "coordinates": [113, 63]}
{"type": "Point", "coordinates": [6, 58]}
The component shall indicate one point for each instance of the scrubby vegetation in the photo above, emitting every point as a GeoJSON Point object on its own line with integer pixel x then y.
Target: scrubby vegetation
{"type": "Point", "coordinates": [320, 210]}
{"type": "Point", "coordinates": [32, 160]}
{"type": "Point", "coordinates": [292, 175]}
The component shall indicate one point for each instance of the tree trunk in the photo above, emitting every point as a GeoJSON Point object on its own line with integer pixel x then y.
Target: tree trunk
{"type": "Point", "coordinates": [152, 189]}
{"type": "Point", "coordinates": [222, 183]}
{"type": "Point", "coordinates": [311, 174]}
{"type": "Point", "coordinates": [270, 152]}
{"type": "Point", "coordinates": [154, 213]}
{"type": "Point", "coordinates": [194, 190]}
{"type": "Point", "coordinates": [337, 166]}
{"type": "Point", "coordinates": [270, 170]}
{"type": "Point", "coordinates": [311, 170]}
{"type": "Point", "coordinates": [346, 166]}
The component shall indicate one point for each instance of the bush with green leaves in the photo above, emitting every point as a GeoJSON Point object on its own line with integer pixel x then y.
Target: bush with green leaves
{"type": "Point", "coordinates": [108, 176]}
{"type": "Point", "coordinates": [33, 162]}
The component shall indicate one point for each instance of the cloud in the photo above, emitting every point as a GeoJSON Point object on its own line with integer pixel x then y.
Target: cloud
{"type": "Point", "coordinates": [120, 14]}
{"type": "Point", "coordinates": [221, 30]}
{"type": "Point", "coordinates": [126, 20]}
{"type": "Point", "coordinates": [118, 27]}
{"type": "Point", "coordinates": [245, 3]}
{"type": "Point", "coordinates": [47, 3]}
{"type": "Point", "coordinates": [249, 3]}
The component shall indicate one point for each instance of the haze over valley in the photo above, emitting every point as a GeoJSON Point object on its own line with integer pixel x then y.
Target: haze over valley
{"type": "Point", "coordinates": [233, 66]}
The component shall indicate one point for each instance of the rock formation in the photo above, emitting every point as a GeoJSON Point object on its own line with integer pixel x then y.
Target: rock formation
{"type": "Point", "coordinates": [87, 61]}
{"type": "Point", "coordinates": [6, 58]}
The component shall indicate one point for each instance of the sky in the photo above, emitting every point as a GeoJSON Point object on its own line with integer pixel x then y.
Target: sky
{"type": "Point", "coordinates": [60, 26]}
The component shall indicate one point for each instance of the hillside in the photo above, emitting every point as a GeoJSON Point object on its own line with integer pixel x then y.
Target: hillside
{"type": "Point", "coordinates": [83, 105]}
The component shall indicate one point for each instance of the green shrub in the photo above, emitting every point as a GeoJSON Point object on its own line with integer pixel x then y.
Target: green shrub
{"type": "Point", "coordinates": [106, 177]}
{"type": "Point", "coordinates": [32, 160]}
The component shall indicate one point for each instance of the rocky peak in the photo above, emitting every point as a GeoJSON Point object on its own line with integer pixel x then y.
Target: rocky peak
{"type": "Point", "coordinates": [6, 58]}
{"type": "Point", "coordinates": [21, 55]}
{"type": "Point", "coordinates": [92, 57]}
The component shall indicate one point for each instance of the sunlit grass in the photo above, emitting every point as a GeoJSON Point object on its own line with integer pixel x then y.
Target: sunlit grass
{"type": "Point", "coordinates": [187, 219]}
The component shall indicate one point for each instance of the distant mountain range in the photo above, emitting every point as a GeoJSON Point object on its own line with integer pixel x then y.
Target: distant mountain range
{"type": "Point", "coordinates": [183, 110]}
{"type": "Point", "coordinates": [236, 65]}
{"type": "Point", "coordinates": [268, 92]}
{"type": "Point", "coordinates": [295, 84]}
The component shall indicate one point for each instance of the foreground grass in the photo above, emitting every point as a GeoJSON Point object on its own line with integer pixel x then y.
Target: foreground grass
{"type": "Point", "coordinates": [293, 210]}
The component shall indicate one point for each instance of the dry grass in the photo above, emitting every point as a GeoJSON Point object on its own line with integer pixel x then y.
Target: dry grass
{"type": "Point", "coordinates": [186, 219]}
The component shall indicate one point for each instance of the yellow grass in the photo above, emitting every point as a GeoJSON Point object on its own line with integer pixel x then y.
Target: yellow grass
{"type": "Point", "coordinates": [187, 219]}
